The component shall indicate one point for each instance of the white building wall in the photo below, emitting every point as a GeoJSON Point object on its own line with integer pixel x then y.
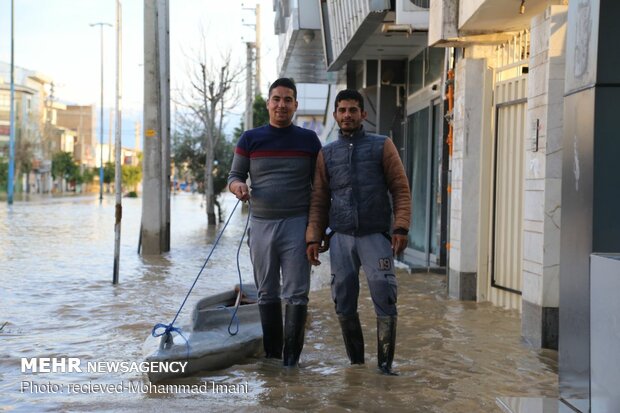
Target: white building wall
{"type": "Point", "coordinates": [468, 254]}
{"type": "Point", "coordinates": [471, 120]}
{"type": "Point", "coordinates": [443, 21]}
{"type": "Point", "coordinates": [541, 249]}
{"type": "Point", "coordinates": [467, 8]}
{"type": "Point", "coordinates": [543, 174]}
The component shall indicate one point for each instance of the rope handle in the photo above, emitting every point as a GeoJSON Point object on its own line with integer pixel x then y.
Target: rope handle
{"type": "Point", "coordinates": [169, 328]}
{"type": "Point", "coordinates": [238, 303]}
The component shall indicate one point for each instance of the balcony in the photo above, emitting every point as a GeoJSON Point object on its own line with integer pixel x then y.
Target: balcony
{"type": "Point", "coordinates": [462, 22]}
{"type": "Point", "coordinates": [372, 29]}
{"type": "Point", "coordinates": [493, 16]}
{"type": "Point", "coordinates": [298, 27]}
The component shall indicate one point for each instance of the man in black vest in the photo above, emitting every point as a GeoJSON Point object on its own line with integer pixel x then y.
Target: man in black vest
{"type": "Point", "coordinates": [355, 176]}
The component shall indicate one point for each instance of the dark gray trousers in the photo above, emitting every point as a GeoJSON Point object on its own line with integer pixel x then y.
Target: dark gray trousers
{"type": "Point", "coordinates": [279, 246]}
{"type": "Point", "coordinates": [374, 254]}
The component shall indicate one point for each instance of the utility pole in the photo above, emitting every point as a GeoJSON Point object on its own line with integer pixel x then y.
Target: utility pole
{"type": "Point", "coordinates": [249, 118]}
{"type": "Point", "coordinates": [110, 126]}
{"type": "Point", "coordinates": [101, 25]}
{"type": "Point", "coordinates": [257, 45]}
{"type": "Point", "coordinates": [47, 129]}
{"type": "Point", "coordinates": [138, 135]}
{"type": "Point", "coordinates": [252, 90]}
{"type": "Point", "coordinates": [155, 230]}
{"type": "Point", "coordinates": [12, 130]}
{"type": "Point", "coordinates": [117, 167]}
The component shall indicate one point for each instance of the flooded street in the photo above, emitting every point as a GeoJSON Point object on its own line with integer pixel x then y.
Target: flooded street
{"type": "Point", "coordinates": [57, 300]}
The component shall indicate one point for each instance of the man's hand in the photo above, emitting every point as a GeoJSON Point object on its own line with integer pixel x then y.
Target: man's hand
{"type": "Point", "coordinates": [240, 190]}
{"type": "Point", "coordinates": [312, 252]}
{"type": "Point", "coordinates": [324, 245]}
{"type": "Point", "coordinates": [399, 243]}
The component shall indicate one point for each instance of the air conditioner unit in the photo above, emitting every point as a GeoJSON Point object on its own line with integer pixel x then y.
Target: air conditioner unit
{"type": "Point", "coordinates": [410, 12]}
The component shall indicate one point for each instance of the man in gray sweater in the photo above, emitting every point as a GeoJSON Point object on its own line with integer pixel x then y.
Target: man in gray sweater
{"type": "Point", "coordinates": [280, 159]}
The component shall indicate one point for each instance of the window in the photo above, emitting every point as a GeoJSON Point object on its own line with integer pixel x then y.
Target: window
{"type": "Point", "coordinates": [416, 73]}
{"type": "Point", "coordinates": [433, 64]}
{"type": "Point", "coordinates": [425, 68]}
{"type": "Point", "coordinates": [5, 101]}
{"type": "Point", "coordinates": [420, 3]}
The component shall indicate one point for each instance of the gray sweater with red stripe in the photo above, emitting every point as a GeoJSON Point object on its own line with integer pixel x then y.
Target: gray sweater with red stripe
{"type": "Point", "coordinates": [280, 163]}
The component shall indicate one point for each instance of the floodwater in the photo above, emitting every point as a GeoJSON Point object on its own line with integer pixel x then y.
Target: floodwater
{"type": "Point", "coordinates": [57, 300]}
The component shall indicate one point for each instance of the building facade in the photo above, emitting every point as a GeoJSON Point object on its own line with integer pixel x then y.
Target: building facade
{"type": "Point", "coordinates": [471, 92]}
{"type": "Point", "coordinates": [44, 126]}
{"type": "Point", "coordinates": [381, 49]}
{"type": "Point", "coordinates": [32, 127]}
{"type": "Point", "coordinates": [507, 159]}
{"type": "Point", "coordinates": [82, 120]}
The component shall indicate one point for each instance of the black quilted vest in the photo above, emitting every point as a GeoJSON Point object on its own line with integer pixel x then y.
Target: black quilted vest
{"type": "Point", "coordinates": [360, 203]}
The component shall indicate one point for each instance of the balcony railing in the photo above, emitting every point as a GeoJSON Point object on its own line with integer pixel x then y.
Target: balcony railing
{"type": "Point", "coordinates": [346, 17]}
{"type": "Point", "coordinates": [298, 25]}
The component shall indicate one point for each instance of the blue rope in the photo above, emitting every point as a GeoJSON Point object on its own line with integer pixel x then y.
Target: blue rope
{"type": "Point", "coordinates": [168, 332]}
{"type": "Point", "coordinates": [169, 328]}
{"type": "Point", "coordinates": [234, 316]}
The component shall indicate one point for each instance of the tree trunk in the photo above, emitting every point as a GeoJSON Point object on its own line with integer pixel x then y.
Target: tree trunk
{"type": "Point", "coordinates": [209, 193]}
{"type": "Point", "coordinates": [212, 94]}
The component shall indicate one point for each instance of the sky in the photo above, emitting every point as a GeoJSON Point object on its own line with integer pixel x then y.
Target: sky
{"type": "Point", "coordinates": [55, 38]}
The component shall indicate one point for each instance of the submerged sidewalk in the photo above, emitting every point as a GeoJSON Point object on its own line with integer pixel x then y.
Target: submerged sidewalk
{"type": "Point", "coordinates": [452, 356]}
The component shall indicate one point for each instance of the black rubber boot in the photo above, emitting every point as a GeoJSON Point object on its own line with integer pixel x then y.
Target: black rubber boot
{"type": "Point", "coordinates": [386, 342]}
{"type": "Point", "coordinates": [271, 320]}
{"type": "Point", "coordinates": [353, 337]}
{"type": "Point", "coordinates": [294, 326]}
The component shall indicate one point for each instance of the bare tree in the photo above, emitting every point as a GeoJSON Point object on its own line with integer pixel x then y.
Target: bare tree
{"type": "Point", "coordinates": [213, 94]}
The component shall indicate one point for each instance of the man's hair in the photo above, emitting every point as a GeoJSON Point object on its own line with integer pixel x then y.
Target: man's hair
{"type": "Point", "coordinates": [349, 94]}
{"type": "Point", "coordinates": [286, 82]}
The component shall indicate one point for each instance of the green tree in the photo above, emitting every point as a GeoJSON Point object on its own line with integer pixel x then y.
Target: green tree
{"type": "Point", "coordinates": [260, 117]}
{"type": "Point", "coordinates": [223, 155]}
{"type": "Point", "coordinates": [88, 175]}
{"type": "Point", "coordinates": [188, 151]}
{"type": "Point", "coordinates": [23, 159]}
{"type": "Point", "coordinates": [4, 175]}
{"type": "Point", "coordinates": [131, 176]}
{"type": "Point", "coordinates": [237, 132]}
{"type": "Point", "coordinates": [108, 173]}
{"type": "Point", "coordinates": [260, 114]}
{"type": "Point", "coordinates": [64, 167]}
{"type": "Point", "coordinates": [189, 156]}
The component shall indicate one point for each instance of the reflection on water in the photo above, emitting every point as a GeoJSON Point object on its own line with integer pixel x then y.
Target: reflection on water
{"type": "Point", "coordinates": [58, 301]}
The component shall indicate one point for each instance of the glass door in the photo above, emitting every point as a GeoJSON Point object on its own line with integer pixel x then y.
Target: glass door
{"type": "Point", "coordinates": [418, 174]}
{"type": "Point", "coordinates": [424, 162]}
